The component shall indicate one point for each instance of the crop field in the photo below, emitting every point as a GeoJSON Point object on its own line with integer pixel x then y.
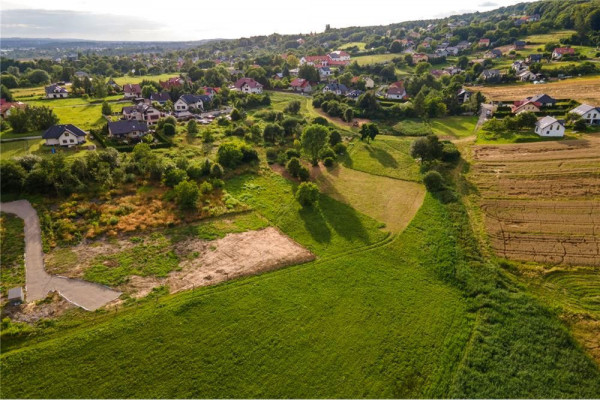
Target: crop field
{"type": "Point", "coordinates": [542, 200]}
{"type": "Point", "coordinates": [384, 156]}
{"type": "Point", "coordinates": [391, 201]}
{"type": "Point", "coordinates": [581, 89]}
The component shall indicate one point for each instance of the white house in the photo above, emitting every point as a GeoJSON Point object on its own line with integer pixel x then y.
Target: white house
{"type": "Point", "coordinates": [131, 91]}
{"type": "Point", "coordinates": [549, 127]}
{"type": "Point", "coordinates": [396, 91]}
{"type": "Point", "coordinates": [525, 106]}
{"type": "Point", "coordinates": [339, 55]}
{"type": "Point", "coordinates": [336, 88]}
{"type": "Point", "coordinates": [248, 85]}
{"type": "Point", "coordinates": [590, 114]}
{"type": "Point", "coordinates": [56, 92]}
{"type": "Point", "coordinates": [186, 102]}
{"type": "Point", "coordinates": [127, 129]}
{"type": "Point", "coordinates": [142, 112]}
{"type": "Point", "coordinates": [64, 135]}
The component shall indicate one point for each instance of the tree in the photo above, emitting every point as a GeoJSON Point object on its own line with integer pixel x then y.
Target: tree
{"type": "Point", "coordinates": [348, 114]}
{"type": "Point", "coordinates": [334, 138]}
{"type": "Point", "coordinates": [10, 81]}
{"type": "Point", "coordinates": [229, 155]}
{"type": "Point", "coordinates": [106, 110]}
{"type": "Point", "coordinates": [427, 148]}
{"type": "Point", "coordinates": [309, 73]}
{"type": "Point", "coordinates": [236, 115]}
{"type": "Point", "coordinates": [192, 127]}
{"type": "Point", "coordinates": [580, 125]}
{"type": "Point", "coordinates": [6, 94]}
{"type": "Point", "coordinates": [272, 132]}
{"type": "Point", "coordinates": [463, 62]}
{"type": "Point", "coordinates": [99, 87]}
{"type": "Point", "coordinates": [216, 170]}
{"type": "Point", "coordinates": [293, 107]}
{"type": "Point", "coordinates": [38, 77]}
{"type": "Point", "coordinates": [42, 117]}
{"type": "Point", "coordinates": [19, 120]}
{"type": "Point", "coordinates": [368, 131]}
{"type": "Point", "coordinates": [434, 182]}
{"type": "Point", "coordinates": [293, 166]}
{"type": "Point", "coordinates": [175, 176]}
{"type": "Point", "coordinates": [13, 176]}
{"type": "Point", "coordinates": [422, 67]}
{"type": "Point", "coordinates": [169, 129]}
{"type": "Point", "coordinates": [147, 91]}
{"type": "Point", "coordinates": [396, 47]}
{"type": "Point", "coordinates": [313, 139]}
{"type": "Point", "coordinates": [187, 195]}
{"type": "Point", "coordinates": [307, 194]}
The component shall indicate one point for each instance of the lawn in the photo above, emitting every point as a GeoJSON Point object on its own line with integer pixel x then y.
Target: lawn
{"type": "Point", "coordinates": [360, 45]}
{"type": "Point", "coordinates": [385, 156]}
{"type": "Point", "coordinates": [484, 137]}
{"type": "Point", "coordinates": [20, 148]}
{"type": "Point", "coordinates": [12, 254]}
{"type": "Point", "coordinates": [375, 59]}
{"type": "Point", "coordinates": [137, 79]}
{"type": "Point", "coordinates": [454, 127]}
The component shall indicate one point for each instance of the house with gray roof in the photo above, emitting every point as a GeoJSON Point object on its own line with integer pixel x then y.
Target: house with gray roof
{"type": "Point", "coordinates": [64, 135]}
{"type": "Point", "coordinates": [56, 92]}
{"type": "Point", "coordinates": [127, 129]}
{"type": "Point", "coordinates": [590, 114]}
{"type": "Point", "coordinates": [550, 127]}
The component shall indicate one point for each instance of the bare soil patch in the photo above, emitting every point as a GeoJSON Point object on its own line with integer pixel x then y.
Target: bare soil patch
{"type": "Point", "coordinates": [52, 307]}
{"type": "Point", "coordinates": [541, 201]}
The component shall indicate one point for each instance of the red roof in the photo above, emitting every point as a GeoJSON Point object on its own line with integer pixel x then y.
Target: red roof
{"type": "Point", "coordinates": [519, 104]}
{"type": "Point", "coordinates": [484, 40]}
{"type": "Point", "coordinates": [399, 84]}
{"type": "Point", "coordinates": [564, 50]}
{"type": "Point", "coordinates": [300, 83]}
{"type": "Point", "coordinates": [316, 58]}
{"type": "Point", "coordinates": [6, 105]}
{"type": "Point", "coordinates": [247, 81]}
{"type": "Point", "coordinates": [132, 88]}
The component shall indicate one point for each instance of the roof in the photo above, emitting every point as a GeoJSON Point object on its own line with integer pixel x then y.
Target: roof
{"type": "Point", "coordinates": [300, 83]}
{"type": "Point", "coordinates": [484, 40]}
{"type": "Point", "coordinates": [334, 87]}
{"type": "Point", "coordinates": [546, 121]}
{"type": "Point", "coordinates": [583, 109]}
{"type": "Point", "coordinates": [124, 127]}
{"type": "Point", "coordinates": [316, 58]}
{"type": "Point", "coordinates": [160, 97]}
{"type": "Point", "coordinates": [247, 81]}
{"type": "Point", "coordinates": [396, 90]}
{"type": "Point", "coordinates": [519, 104]}
{"type": "Point", "coordinates": [542, 98]}
{"type": "Point", "coordinates": [132, 88]}
{"type": "Point", "coordinates": [55, 89]}
{"type": "Point", "coordinates": [194, 98]}
{"type": "Point", "coordinates": [398, 84]}
{"type": "Point", "coordinates": [355, 93]}
{"type": "Point", "coordinates": [564, 50]}
{"type": "Point", "coordinates": [55, 131]}
{"type": "Point", "coordinates": [520, 43]}
{"type": "Point", "coordinates": [141, 108]}
{"type": "Point", "coordinates": [491, 72]}
{"type": "Point", "coordinates": [15, 293]}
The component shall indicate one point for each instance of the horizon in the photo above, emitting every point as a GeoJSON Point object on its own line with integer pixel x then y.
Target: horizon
{"type": "Point", "coordinates": [36, 19]}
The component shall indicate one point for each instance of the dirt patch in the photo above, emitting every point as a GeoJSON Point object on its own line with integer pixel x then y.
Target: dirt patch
{"type": "Point", "coordinates": [585, 90]}
{"type": "Point", "coordinates": [541, 201]}
{"type": "Point", "coordinates": [52, 307]}
{"type": "Point", "coordinates": [339, 121]}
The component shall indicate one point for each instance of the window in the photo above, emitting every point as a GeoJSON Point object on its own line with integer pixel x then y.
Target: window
{"type": "Point", "coordinates": [72, 141]}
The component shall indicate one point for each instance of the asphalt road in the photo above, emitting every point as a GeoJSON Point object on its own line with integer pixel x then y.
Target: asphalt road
{"type": "Point", "coordinates": [39, 283]}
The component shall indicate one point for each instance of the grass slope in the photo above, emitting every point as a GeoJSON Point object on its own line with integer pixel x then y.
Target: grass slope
{"type": "Point", "coordinates": [12, 252]}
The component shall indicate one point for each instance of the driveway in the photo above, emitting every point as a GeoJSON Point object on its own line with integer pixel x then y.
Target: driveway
{"type": "Point", "coordinates": [38, 283]}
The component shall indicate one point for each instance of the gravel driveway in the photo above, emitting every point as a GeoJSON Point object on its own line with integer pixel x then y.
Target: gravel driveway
{"type": "Point", "coordinates": [39, 283]}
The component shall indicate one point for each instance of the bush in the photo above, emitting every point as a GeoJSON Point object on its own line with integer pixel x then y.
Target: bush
{"type": "Point", "coordinates": [293, 166]}
{"type": "Point", "coordinates": [334, 138]}
{"type": "Point", "coordinates": [187, 194]}
{"type": "Point", "coordinates": [175, 176]}
{"type": "Point", "coordinates": [229, 155]}
{"type": "Point", "coordinates": [320, 121]}
{"type": "Point", "coordinates": [13, 176]}
{"type": "Point", "coordinates": [169, 129]}
{"type": "Point", "coordinates": [328, 162]}
{"type": "Point", "coordinates": [307, 194]}
{"type": "Point", "coordinates": [303, 174]}
{"type": "Point", "coordinates": [216, 170]}
{"type": "Point", "coordinates": [292, 153]}
{"type": "Point", "coordinates": [249, 154]}
{"type": "Point", "coordinates": [327, 153]}
{"type": "Point", "coordinates": [206, 187]}
{"type": "Point", "coordinates": [434, 182]}
{"type": "Point", "coordinates": [192, 128]}
{"type": "Point", "coordinates": [272, 155]}
{"type": "Point", "coordinates": [450, 153]}
{"type": "Point", "coordinates": [340, 148]}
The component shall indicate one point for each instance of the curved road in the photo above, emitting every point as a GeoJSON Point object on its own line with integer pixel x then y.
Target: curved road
{"type": "Point", "coordinates": [39, 283]}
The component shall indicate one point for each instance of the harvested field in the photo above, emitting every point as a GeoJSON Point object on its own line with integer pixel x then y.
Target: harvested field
{"type": "Point", "coordinates": [198, 262]}
{"type": "Point", "coordinates": [542, 200]}
{"type": "Point", "coordinates": [580, 89]}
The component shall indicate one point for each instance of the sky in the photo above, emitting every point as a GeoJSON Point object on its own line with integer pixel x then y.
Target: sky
{"type": "Point", "coordinates": [160, 20]}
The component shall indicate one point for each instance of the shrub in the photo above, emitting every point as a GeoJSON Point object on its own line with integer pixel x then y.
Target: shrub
{"type": "Point", "coordinates": [216, 170]}
{"type": "Point", "coordinates": [292, 153]}
{"type": "Point", "coordinates": [307, 194]}
{"type": "Point", "coordinates": [13, 176]}
{"type": "Point", "coordinates": [236, 115]}
{"type": "Point", "coordinates": [217, 183]}
{"type": "Point", "coordinates": [303, 174]}
{"type": "Point", "coordinates": [320, 121]}
{"type": "Point", "coordinates": [340, 148]}
{"type": "Point", "coordinates": [434, 182]}
{"type": "Point", "coordinates": [206, 187]}
{"type": "Point", "coordinates": [174, 176]}
{"type": "Point", "coordinates": [450, 153]}
{"type": "Point", "coordinates": [293, 166]}
{"type": "Point", "coordinates": [328, 161]}
{"type": "Point", "coordinates": [326, 153]}
{"type": "Point", "coordinates": [272, 155]}
{"type": "Point", "coordinates": [249, 154]}
{"type": "Point", "coordinates": [334, 138]}
{"type": "Point", "coordinates": [169, 129]}
{"type": "Point", "coordinates": [187, 194]}
{"type": "Point", "coordinates": [229, 155]}
{"type": "Point", "coordinates": [192, 128]}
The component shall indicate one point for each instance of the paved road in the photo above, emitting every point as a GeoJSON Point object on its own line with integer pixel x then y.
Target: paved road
{"type": "Point", "coordinates": [39, 283]}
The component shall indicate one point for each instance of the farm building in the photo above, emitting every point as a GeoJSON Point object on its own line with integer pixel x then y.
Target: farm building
{"type": "Point", "coordinates": [64, 135]}
{"type": "Point", "coordinates": [550, 127]}
{"type": "Point", "coordinates": [590, 114]}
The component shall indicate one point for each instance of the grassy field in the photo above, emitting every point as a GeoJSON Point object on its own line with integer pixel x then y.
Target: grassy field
{"type": "Point", "coordinates": [360, 45]}
{"type": "Point", "coordinates": [391, 201]}
{"type": "Point", "coordinates": [20, 148]}
{"type": "Point", "coordinates": [385, 156]}
{"type": "Point", "coordinates": [137, 79]}
{"type": "Point", "coordinates": [375, 59]}
{"type": "Point", "coordinates": [484, 137]}
{"type": "Point", "coordinates": [12, 254]}
{"type": "Point", "coordinates": [454, 127]}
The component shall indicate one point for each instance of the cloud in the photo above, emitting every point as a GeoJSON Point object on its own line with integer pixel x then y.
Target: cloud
{"type": "Point", "coordinates": [488, 4]}
{"type": "Point", "coordinates": [74, 24]}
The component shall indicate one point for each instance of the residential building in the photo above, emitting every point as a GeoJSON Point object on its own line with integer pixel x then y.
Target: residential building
{"type": "Point", "coordinates": [64, 135]}
{"type": "Point", "coordinates": [550, 127]}
{"type": "Point", "coordinates": [418, 57]}
{"type": "Point", "coordinates": [484, 42]}
{"type": "Point", "coordinates": [339, 55]}
{"type": "Point", "coordinates": [248, 85]}
{"type": "Point", "coordinates": [534, 58]}
{"type": "Point", "coordinates": [56, 92]}
{"type": "Point", "coordinates": [324, 73]}
{"type": "Point", "coordinates": [142, 112]}
{"type": "Point", "coordinates": [490, 75]}
{"type": "Point", "coordinates": [127, 129]}
{"type": "Point", "coordinates": [525, 106]}
{"type": "Point", "coordinates": [520, 45]}
{"type": "Point", "coordinates": [543, 99]}
{"type": "Point", "coordinates": [301, 85]}
{"type": "Point", "coordinates": [463, 96]}
{"type": "Point", "coordinates": [171, 83]}
{"type": "Point", "coordinates": [160, 98]}
{"type": "Point", "coordinates": [315, 61]}
{"type": "Point", "coordinates": [396, 91]}
{"type": "Point", "coordinates": [354, 94]}
{"type": "Point", "coordinates": [336, 88]}
{"type": "Point", "coordinates": [590, 114]}
{"type": "Point", "coordinates": [7, 106]}
{"type": "Point", "coordinates": [132, 90]}
{"type": "Point", "coordinates": [560, 52]}
{"type": "Point", "coordinates": [526, 76]}
{"type": "Point", "coordinates": [188, 102]}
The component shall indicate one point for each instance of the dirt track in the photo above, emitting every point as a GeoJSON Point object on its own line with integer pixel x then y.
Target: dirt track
{"type": "Point", "coordinates": [542, 200]}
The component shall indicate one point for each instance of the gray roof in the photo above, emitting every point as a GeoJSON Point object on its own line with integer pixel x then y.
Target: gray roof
{"type": "Point", "coordinates": [160, 97]}
{"type": "Point", "coordinates": [194, 98]}
{"type": "Point", "coordinates": [542, 98]}
{"type": "Point", "coordinates": [546, 121]}
{"type": "Point", "coordinates": [334, 87]}
{"type": "Point", "coordinates": [124, 127]}
{"type": "Point", "coordinates": [54, 132]}
{"type": "Point", "coordinates": [55, 89]}
{"type": "Point", "coordinates": [584, 108]}
{"type": "Point", "coordinates": [15, 293]}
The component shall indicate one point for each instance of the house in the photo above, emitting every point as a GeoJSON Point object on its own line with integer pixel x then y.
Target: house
{"type": "Point", "coordinates": [453, 70]}
{"type": "Point", "coordinates": [544, 100]}
{"type": "Point", "coordinates": [354, 94]}
{"type": "Point", "coordinates": [248, 85]}
{"type": "Point", "coordinates": [463, 96]}
{"type": "Point", "coordinates": [518, 66]}
{"type": "Point", "coordinates": [81, 74]}
{"type": "Point", "coordinates": [550, 127]}
{"type": "Point", "coordinates": [339, 55]}
{"type": "Point", "coordinates": [452, 50]}
{"type": "Point", "coordinates": [296, 71]}
{"type": "Point", "coordinates": [494, 53]}
{"type": "Point", "coordinates": [534, 58]}
{"type": "Point", "coordinates": [559, 52]}
{"type": "Point", "coordinates": [64, 135]}
{"type": "Point", "coordinates": [189, 102]}
{"type": "Point", "coordinates": [111, 83]}
{"type": "Point", "coordinates": [590, 114]}
{"type": "Point", "coordinates": [438, 73]}
{"type": "Point", "coordinates": [418, 57]}
{"type": "Point", "coordinates": [301, 85]}
{"type": "Point", "coordinates": [210, 91]}
{"type": "Point", "coordinates": [318, 61]}
{"type": "Point", "coordinates": [525, 106]}
{"type": "Point", "coordinates": [171, 83]}
{"type": "Point", "coordinates": [131, 91]}
{"type": "Point", "coordinates": [160, 98]}
{"type": "Point", "coordinates": [526, 76]}
{"type": "Point", "coordinates": [300, 41]}
{"type": "Point", "coordinates": [396, 91]}
{"type": "Point", "coordinates": [369, 83]}
{"type": "Point", "coordinates": [519, 45]}
{"type": "Point", "coordinates": [7, 106]}
{"type": "Point", "coordinates": [484, 43]}
{"type": "Point", "coordinates": [142, 112]}
{"type": "Point", "coordinates": [127, 129]}
{"type": "Point", "coordinates": [15, 296]}
{"type": "Point", "coordinates": [56, 92]}
{"type": "Point", "coordinates": [463, 45]}
{"type": "Point", "coordinates": [324, 73]}
{"type": "Point", "coordinates": [490, 75]}
{"type": "Point", "coordinates": [336, 88]}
